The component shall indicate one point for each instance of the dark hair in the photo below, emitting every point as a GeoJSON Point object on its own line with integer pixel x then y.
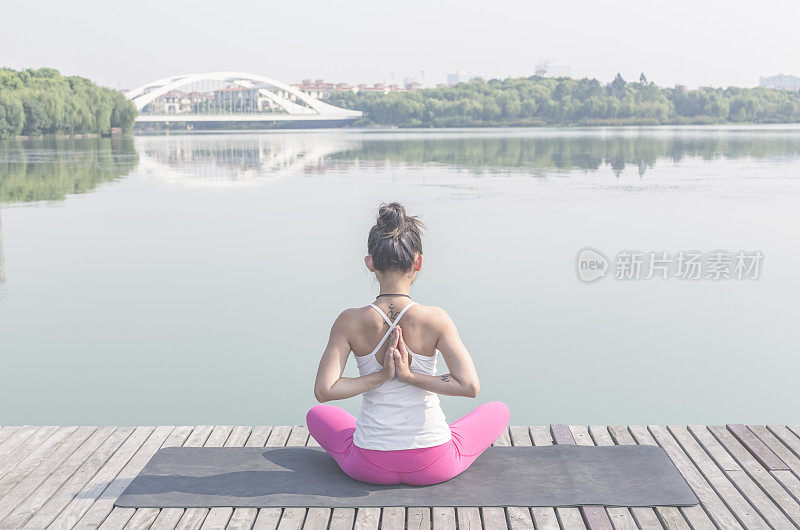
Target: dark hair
{"type": "Point", "coordinates": [395, 240]}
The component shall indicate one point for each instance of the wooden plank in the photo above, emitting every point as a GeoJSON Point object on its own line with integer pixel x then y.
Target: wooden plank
{"type": "Point", "coordinates": [504, 440]}
{"type": "Point", "coordinates": [42, 517]}
{"type": "Point", "coordinates": [469, 518]}
{"type": "Point", "coordinates": [734, 486]}
{"type": "Point", "coordinates": [367, 519]}
{"type": "Point", "coordinates": [567, 518]}
{"type": "Point", "coordinates": [342, 518]}
{"type": "Point", "coordinates": [24, 449]}
{"type": "Point", "coordinates": [789, 481]}
{"type": "Point", "coordinates": [16, 437]}
{"type": "Point", "coordinates": [279, 436]}
{"type": "Point", "coordinates": [443, 518]}
{"type": "Point", "coordinates": [777, 499]}
{"type": "Point", "coordinates": [258, 436]}
{"type": "Point", "coordinates": [595, 517]}
{"type": "Point", "coordinates": [317, 519]}
{"type": "Point", "coordinates": [96, 485]}
{"type": "Point", "coordinates": [292, 519]}
{"type": "Point", "coordinates": [34, 459]}
{"type": "Point", "coordinates": [621, 518]}
{"type": "Point", "coordinates": [668, 517]}
{"type": "Point", "coordinates": [298, 436]}
{"type": "Point", "coordinates": [781, 442]}
{"type": "Point", "coordinates": [561, 434]}
{"type": "Point", "coordinates": [393, 518]}
{"type": "Point", "coordinates": [519, 517]}
{"type": "Point", "coordinates": [709, 499]}
{"type": "Point", "coordinates": [36, 500]}
{"type": "Point", "coordinates": [418, 518]}
{"type": "Point", "coordinates": [104, 505]}
{"type": "Point", "coordinates": [7, 431]}
{"type": "Point", "coordinates": [192, 518]}
{"type": "Point", "coordinates": [27, 480]}
{"type": "Point", "coordinates": [494, 518]}
{"type": "Point", "coordinates": [244, 518]}
{"type": "Point", "coordinates": [789, 438]}
{"type": "Point", "coordinates": [758, 448]}
{"type": "Point", "coordinates": [267, 519]}
{"type": "Point", "coordinates": [143, 518]}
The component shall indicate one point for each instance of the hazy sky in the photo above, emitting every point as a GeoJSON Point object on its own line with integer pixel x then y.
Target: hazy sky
{"type": "Point", "coordinates": [125, 44]}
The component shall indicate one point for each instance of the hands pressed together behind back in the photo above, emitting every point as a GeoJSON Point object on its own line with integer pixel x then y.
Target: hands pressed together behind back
{"type": "Point", "coordinates": [397, 360]}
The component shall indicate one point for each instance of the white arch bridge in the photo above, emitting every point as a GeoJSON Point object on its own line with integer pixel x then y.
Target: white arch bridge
{"type": "Point", "coordinates": [230, 97]}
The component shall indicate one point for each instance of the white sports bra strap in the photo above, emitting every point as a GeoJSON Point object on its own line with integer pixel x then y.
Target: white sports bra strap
{"type": "Point", "coordinates": [392, 325]}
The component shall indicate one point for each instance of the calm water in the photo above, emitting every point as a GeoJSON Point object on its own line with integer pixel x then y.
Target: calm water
{"type": "Point", "coordinates": [193, 279]}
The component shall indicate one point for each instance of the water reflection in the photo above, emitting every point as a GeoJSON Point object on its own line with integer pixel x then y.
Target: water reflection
{"type": "Point", "coordinates": [570, 152]}
{"type": "Point", "coordinates": [239, 159]}
{"type": "Point", "coordinates": [222, 159]}
{"type": "Point", "coordinates": [52, 168]}
{"type": "Point", "coordinates": [2, 262]}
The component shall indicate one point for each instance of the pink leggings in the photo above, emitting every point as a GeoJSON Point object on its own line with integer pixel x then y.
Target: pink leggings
{"type": "Point", "coordinates": [333, 428]}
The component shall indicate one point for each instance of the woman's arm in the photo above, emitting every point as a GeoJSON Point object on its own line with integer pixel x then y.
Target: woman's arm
{"type": "Point", "coordinates": [329, 384]}
{"type": "Point", "coordinates": [462, 379]}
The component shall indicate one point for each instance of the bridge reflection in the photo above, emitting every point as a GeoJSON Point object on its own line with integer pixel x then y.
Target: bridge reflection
{"type": "Point", "coordinates": [238, 159]}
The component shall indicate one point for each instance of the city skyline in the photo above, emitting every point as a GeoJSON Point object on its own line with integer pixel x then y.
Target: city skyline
{"type": "Point", "coordinates": [688, 43]}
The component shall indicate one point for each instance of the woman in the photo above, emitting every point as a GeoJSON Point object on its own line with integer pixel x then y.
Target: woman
{"type": "Point", "coordinates": [400, 436]}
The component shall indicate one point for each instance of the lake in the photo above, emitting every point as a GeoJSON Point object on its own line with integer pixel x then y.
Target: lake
{"type": "Point", "coordinates": [193, 279]}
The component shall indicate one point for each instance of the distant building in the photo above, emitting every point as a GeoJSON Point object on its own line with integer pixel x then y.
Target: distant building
{"type": "Point", "coordinates": [377, 87]}
{"type": "Point", "coordinates": [410, 84]}
{"type": "Point", "coordinates": [552, 68]}
{"type": "Point", "coordinates": [460, 77]}
{"type": "Point", "coordinates": [321, 89]}
{"type": "Point", "coordinates": [780, 81]}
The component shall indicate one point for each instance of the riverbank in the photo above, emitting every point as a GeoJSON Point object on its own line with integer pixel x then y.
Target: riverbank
{"type": "Point", "coordinates": [71, 476]}
{"type": "Point", "coordinates": [538, 101]}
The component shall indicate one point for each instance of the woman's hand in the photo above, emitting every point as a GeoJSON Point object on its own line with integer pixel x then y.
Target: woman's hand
{"type": "Point", "coordinates": [402, 359]}
{"type": "Point", "coordinates": [389, 371]}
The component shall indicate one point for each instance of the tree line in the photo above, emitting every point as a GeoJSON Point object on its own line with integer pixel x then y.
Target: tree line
{"type": "Point", "coordinates": [538, 101]}
{"type": "Point", "coordinates": [41, 101]}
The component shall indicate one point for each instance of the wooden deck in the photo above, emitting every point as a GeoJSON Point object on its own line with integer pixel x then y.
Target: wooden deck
{"type": "Point", "coordinates": [69, 477]}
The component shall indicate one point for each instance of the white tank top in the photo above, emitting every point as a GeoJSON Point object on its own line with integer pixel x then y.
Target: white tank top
{"type": "Point", "coordinates": [396, 415]}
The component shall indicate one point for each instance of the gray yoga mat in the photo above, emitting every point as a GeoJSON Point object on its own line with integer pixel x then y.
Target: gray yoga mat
{"type": "Point", "coordinates": [558, 475]}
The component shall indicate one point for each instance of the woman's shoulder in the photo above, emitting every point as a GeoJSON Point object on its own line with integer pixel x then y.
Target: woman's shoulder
{"type": "Point", "coordinates": [428, 317]}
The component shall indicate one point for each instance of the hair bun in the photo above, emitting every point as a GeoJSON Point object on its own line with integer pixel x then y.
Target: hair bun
{"type": "Point", "coordinates": [391, 219]}
{"type": "Point", "coordinates": [395, 240]}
